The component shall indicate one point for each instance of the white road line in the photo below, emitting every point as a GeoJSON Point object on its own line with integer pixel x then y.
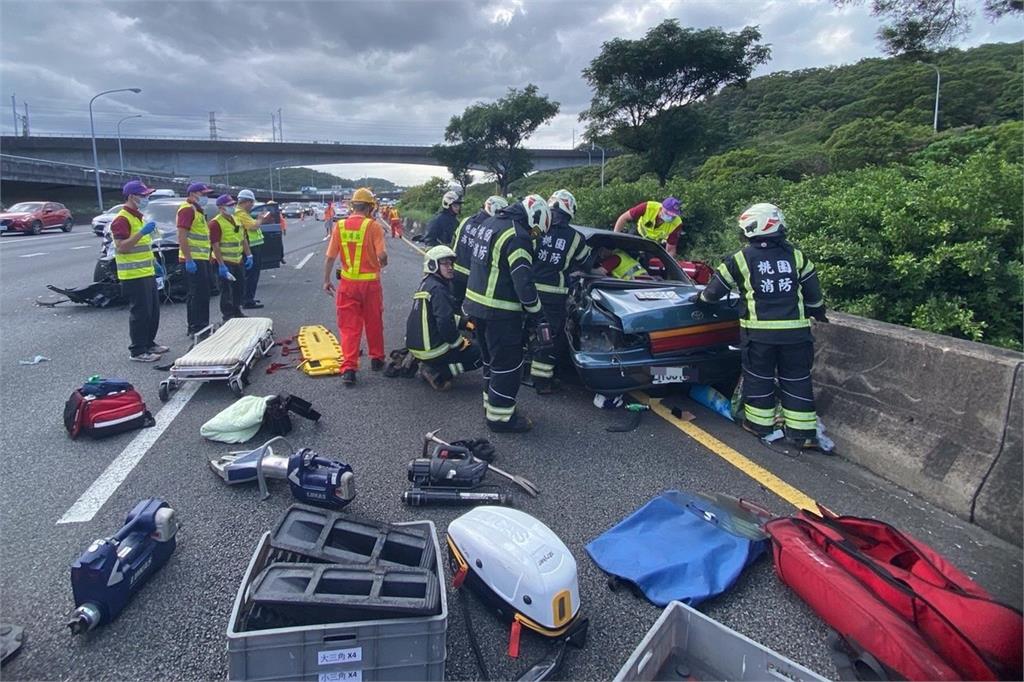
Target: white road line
{"type": "Point", "coordinates": [93, 499]}
{"type": "Point", "coordinates": [76, 248]}
{"type": "Point", "coordinates": [304, 260]}
{"type": "Point", "coordinates": [32, 255]}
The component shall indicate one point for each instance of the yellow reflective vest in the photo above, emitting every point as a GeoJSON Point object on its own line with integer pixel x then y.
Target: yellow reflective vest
{"type": "Point", "coordinates": [138, 261]}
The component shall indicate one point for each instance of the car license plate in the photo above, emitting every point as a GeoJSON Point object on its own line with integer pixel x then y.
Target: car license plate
{"type": "Point", "coordinates": [672, 375]}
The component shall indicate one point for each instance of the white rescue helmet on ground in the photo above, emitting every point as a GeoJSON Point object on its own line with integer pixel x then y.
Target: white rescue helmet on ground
{"type": "Point", "coordinates": [564, 200]}
{"type": "Point", "coordinates": [494, 204]}
{"type": "Point", "coordinates": [762, 220]}
{"type": "Point", "coordinates": [515, 557]}
{"type": "Point", "coordinates": [433, 257]}
{"type": "Point", "coordinates": [450, 197]}
{"type": "Point", "coordinates": [538, 214]}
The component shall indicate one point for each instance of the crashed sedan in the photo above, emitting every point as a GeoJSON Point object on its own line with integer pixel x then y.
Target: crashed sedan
{"type": "Point", "coordinates": [627, 334]}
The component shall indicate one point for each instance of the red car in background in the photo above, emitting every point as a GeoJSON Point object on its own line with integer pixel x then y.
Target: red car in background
{"type": "Point", "coordinates": [36, 216]}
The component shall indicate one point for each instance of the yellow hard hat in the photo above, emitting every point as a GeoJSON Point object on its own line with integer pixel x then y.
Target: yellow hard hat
{"type": "Point", "coordinates": [363, 195]}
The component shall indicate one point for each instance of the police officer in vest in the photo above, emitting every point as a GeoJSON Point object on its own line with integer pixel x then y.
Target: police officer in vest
{"type": "Point", "coordinates": [779, 289]}
{"type": "Point", "coordinates": [194, 252]}
{"type": "Point", "coordinates": [254, 234]}
{"type": "Point", "coordinates": [441, 227]}
{"type": "Point", "coordinates": [231, 249]}
{"type": "Point", "coordinates": [499, 293]}
{"type": "Point", "coordinates": [463, 243]}
{"type": "Point", "coordinates": [137, 271]}
{"type": "Point", "coordinates": [658, 221]}
{"type": "Point", "coordinates": [432, 330]}
{"type": "Point", "coordinates": [559, 251]}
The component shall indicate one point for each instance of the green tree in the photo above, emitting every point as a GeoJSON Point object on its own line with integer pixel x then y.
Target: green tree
{"type": "Point", "coordinates": [496, 131]}
{"type": "Point", "coordinates": [458, 159]}
{"type": "Point", "coordinates": [422, 201]}
{"type": "Point", "coordinates": [874, 141]}
{"type": "Point", "coordinates": [642, 87]}
{"type": "Point", "coordinates": [918, 26]}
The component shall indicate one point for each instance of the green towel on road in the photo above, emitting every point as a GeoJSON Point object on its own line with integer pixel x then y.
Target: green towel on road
{"type": "Point", "coordinates": [237, 423]}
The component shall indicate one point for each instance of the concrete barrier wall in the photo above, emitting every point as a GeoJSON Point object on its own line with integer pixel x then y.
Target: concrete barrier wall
{"type": "Point", "coordinates": [938, 416]}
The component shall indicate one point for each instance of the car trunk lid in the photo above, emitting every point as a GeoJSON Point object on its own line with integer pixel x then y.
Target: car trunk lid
{"type": "Point", "coordinates": [663, 313]}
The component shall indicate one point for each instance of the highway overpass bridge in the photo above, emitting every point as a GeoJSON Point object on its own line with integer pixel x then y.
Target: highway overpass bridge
{"type": "Point", "coordinates": [202, 158]}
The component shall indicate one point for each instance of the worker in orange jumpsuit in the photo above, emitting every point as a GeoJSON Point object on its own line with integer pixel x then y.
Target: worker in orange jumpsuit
{"type": "Point", "coordinates": [359, 240]}
{"type": "Point", "coordinates": [396, 224]}
{"type": "Point", "coordinates": [329, 217]}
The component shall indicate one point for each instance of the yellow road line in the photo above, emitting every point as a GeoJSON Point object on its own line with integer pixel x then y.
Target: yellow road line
{"type": "Point", "coordinates": [795, 497]}
{"type": "Point", "coordinates": [422, 252]}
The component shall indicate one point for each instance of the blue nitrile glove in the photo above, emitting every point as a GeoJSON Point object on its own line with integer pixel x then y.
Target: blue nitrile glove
{"type": "Point", "coordinates": [148, 228]}
{"type": "Point", "coordinates": [159, 270]}
{"type": "Point", "coordinates": [191, 267]}
{"type": "Point", "coordinates": [248, 262]}
{"type": "Point", "coordinates": [223, 270]}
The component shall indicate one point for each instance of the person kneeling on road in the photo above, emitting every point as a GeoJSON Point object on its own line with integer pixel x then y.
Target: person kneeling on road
{"type": "Point", "coordinates": [432, 330]}
{"type": "Point", "coordinates": [779, 290]}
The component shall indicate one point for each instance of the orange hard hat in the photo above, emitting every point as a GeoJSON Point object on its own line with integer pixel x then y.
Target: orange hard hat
{"type": "Point", "coordinates": [363, 195]}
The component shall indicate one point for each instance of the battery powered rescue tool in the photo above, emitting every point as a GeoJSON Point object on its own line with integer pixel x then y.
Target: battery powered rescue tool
{"type": "Point", "coordinates": [313, 479]}
{"type": "Point", "coordinates": [108, 574]}
{"type": "Point", "coordinates": [452, 475]}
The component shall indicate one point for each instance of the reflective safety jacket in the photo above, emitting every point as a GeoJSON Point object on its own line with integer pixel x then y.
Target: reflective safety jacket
{"type": "Point", "coordinates": [198, 233]}
{"type": "Point", "coordinates": [351, 239]}
{"type": "Point", "coordinates": [501, 271]}
{"type": "Point", "coordinates": [465, 239]}
{"type": "Point", "coordinates": [138, 262]}
{"type": "Point", "coordinates": [230, 239]}
{"type": "Point", "coordinates": [433, 326]}
{"type": "Point", "coordinates": [559, 250]}
{"type": "Point", "coordinates": [778, 285]}
{"type": "Point", "coordinates": [646, 227]}
{"type": "Point", "coordinates": [441, 228]}
{"type": "Point", "coordinates": [251, 227]}
{"type": "Point", "coordinates": [628, 267]}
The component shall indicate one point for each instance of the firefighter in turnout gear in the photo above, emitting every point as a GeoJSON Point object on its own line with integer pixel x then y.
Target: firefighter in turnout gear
{"type": "Point", "coordinates": [779, 289]}
{"type": "Point", "coordinates": [442, 226]}
{"type": "Point", "coordinates": [559, 251]}
{"type": "Point", "coordinates": [432, 330]}
{"type": "Point", "coordinates": [500, 292]}
{"type": "Point", "coordinates": [463, 243]}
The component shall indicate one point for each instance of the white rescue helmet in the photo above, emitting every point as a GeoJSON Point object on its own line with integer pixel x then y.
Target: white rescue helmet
{"type": "Point", "coordinates": [762, 220]}
{"type": "Point", "coordinates": [433, 257]}
{"type": "Point", "coordinates": [564, 200]}
{"type": "Point", "coordinates": [450, 197]}
{"type": "Point", "coordinates": [494, 204]}
{"type": "Point", "coordinates": [538, 214]}
{"type": "Point", "coordinates": [246, 195]}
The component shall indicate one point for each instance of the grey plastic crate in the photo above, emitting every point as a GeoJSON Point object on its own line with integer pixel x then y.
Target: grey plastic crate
{"type": "Point", "coordinates": [380, 650]}
{"type": "Point", "coordinates": [685, 644]}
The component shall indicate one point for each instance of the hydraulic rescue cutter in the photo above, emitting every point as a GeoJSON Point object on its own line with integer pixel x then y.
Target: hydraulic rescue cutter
{"type": "Point", "coordinates": [108, 574]}
{"type": "Point", "coordinates": [524, 572]}
{"type": "Point", "coordinates": [313, 479]}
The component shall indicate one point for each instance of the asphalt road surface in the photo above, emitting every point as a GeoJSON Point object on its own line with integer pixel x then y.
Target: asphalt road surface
{"type": "Point", "coordinates": [590, 479]}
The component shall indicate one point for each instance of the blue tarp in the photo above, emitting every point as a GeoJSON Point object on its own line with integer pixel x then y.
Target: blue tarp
{"type": "Point", "coordinates": [674, 548]}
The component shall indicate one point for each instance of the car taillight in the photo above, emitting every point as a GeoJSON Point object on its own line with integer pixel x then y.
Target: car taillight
{"type": "Point", "coordinates": [699, 336]}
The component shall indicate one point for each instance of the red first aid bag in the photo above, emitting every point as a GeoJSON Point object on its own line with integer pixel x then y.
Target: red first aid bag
{"type": "Point", "coordinates": [99, 416]}
{"type": "Point", "coordinates": [896, 598]}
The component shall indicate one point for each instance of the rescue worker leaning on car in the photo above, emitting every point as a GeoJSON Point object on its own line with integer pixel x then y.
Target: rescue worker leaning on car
{"type": "Point", "coordinates": [779, 292]}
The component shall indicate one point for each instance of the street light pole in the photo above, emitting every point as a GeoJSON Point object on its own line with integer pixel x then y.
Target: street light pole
{"type": "Point", "coordinates": [120, 154]}
{"type": "Point", "coordinates": [938, 83]}
{"type": "Point", "coordinates": [92, 131]}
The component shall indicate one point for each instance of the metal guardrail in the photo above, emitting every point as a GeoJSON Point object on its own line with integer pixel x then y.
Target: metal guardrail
{"type": "Point", "coordinates": [199, 138]}
{"type": "Point", "coordinates": [105, 171]}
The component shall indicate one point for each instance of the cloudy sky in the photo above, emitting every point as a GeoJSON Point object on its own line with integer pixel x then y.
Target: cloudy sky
{"type": "Point", "coordinates": [370, 71]}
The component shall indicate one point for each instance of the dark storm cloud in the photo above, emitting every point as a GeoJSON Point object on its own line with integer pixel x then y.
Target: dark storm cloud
{"type": "Point", "coordinates": [362, 71]}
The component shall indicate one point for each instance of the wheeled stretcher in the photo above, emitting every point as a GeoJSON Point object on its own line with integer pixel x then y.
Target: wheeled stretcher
{"type": "Point", "coordinates": [225, 354]}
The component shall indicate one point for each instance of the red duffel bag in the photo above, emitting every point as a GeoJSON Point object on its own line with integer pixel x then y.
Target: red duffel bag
{"type": "Point", "coordinates": [896, 598]}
